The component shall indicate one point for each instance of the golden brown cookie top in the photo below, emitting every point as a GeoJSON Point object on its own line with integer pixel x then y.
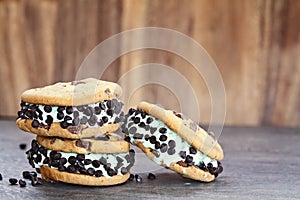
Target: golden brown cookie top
{"type": "Point", "coordinates": [73, 93]}
{"type": "Point", "coordinates": [187, 129]}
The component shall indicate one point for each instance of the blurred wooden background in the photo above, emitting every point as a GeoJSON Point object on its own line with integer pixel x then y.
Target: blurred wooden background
{"type": "Point", "coordinates": [254, 43]}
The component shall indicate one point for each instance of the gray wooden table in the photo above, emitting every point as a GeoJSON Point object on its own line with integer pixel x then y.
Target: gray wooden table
{"type": "Point", "coordinates": [260, 163]}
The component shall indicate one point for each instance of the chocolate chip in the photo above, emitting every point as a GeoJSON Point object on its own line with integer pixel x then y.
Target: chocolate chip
{"type": "Point", "coordinates": [162, 130]}
{"type": "Point", "coordinates": [69, 110]}
{"type": "Point", "coordinates": [72, 160]}
{"type": "Point", "coordinates": [156, 153]}
{"type": "Point", "coordinates": [146, 137]}
{"type": "Point", "coordinates": [22, 183]}
{"type": "Point", "coordinates": [202, 166]}
{"type": "Point", "coordinates": [61, 168]}
{"type": "Point", "coordinates": [127, 139]}
{"type": "Point", "coordinates": [49, 120]}
{"type": "Point", "coordinates": [131, 177]}
{"type": "Point", "coordinates": [96, 163]}
{"type": "Point", "coordinates": [143, 114]}
{"type": "Point", "coordinates": [71, 169]}
{"type": "Point", "coordinates": [80, 108]}
{"type": "Point", "coordinates": [80, 157]}
{"type": "Point", "coordinates": [138, 136]}
{"type": "Point", "coordinates": [136, 120]}
{"type": "Point", "coordinates": [172, 144]}
{"type": "Point", "coordinates": [60, 116]}
{"type": "Point", "coordinates": [107, 91]}
{"type": "Point", "coordinates": [138, 179]}
{"type": "Point", "coordinates": [181, 163]}
{"type": "Point", "coordinates": [151, 176]}
{"type": "Point", "coordinates": [47, 108]}
{"type": "Point", "coordinates": [157, 145]}
{"type": "Point", "coordinates": [22, 146]}
{"type": "Point", "coordinates": [75, 114]}
{"type": "Point", "coordinates": [33, 174]}
{"type": "Point", "coordinates": [13, 181]}
{"type": "Point", "coordinates": [60, 109]}
{"type": "Point", "coordinates": [98, 173]}
{"type": "Point", "coordinates": [36, 181]}
{"type": "Point", "coordinates": [64, 124]}
{"type": "Point", "coordinates": [38, 158]}
{"type": "Point", "coordinates": [97, 110]}
{"type": "Point", "coordinates": [109, 104]}
{"type": "Point", "coordinates": [35, 123]}
{"type": "Point", "coordinates": [100, 122]}
{"type": "Point", "coordinates": [26, 174]}
{"type": "Point", "coordinates": [28, 114]}
{"type": "Point", "coordinates": [124, 170]}
{"type": "Point", "coordinates": [46, 161]}
{"type": "Point", "coordinates": [163, 138]}
{"type": "Point", "coordinates": [188, 159]}
{"type": "Point", "coordinates": [90, 171]}
{"type": "Point", "coordinates": [62, 161]}
{"type": "Point", "coordinates": [171, 151]}
{"type": "Point", "coordinates": [220, 169]}
{"type": "Point", "coordinates": [82, 144]}
{"type": "Point", "coordinates": [182, 154]}
{"type": "Point", "coordinates": [67, 118]}
{"type": "Point", "coordinates": [102, 105]}
{"type": "Point", "coordinates": [152, 130]}
{"type": "Point", "coordinates": [111, 172]}
{"type": "Point", "coordinates": [76, 121]}
{"type": "Point", "coordinates": [83, 120]}
{"type": "Point", "coordinates": [132, 130]}
{"type": "Point", "coordinates": [88, 111]}
{"type": "Point", "coordinates": [105, 119]}
{"type": "Point", "coordinates": [193, 150]}
{"type": "Point", "coordinates": [110, 112]}
{"type": "Point", "coordinates": [163, 147]}
{"type": "Point", "coordinates": [43, 151]}
{"type": "Point", "coordinates": [103, 161]}
{"type": "Point", "coordinates": [54, 163]}
{"type": "Point", "coordinates": [152, 139]}
{"type": "Point", "coordinates": [82, 171]}
{"type": "Point", "coordinates": [209, 166]}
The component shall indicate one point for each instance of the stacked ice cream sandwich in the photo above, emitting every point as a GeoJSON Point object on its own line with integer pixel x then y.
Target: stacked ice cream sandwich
{"type": "Point", "coordinates": [77, 126]}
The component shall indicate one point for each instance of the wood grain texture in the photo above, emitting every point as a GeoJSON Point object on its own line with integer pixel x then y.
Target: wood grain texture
{"type": "Point", "coordinates": [254, 43]}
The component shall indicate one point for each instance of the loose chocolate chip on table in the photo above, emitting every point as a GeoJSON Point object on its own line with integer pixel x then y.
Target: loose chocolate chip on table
{"type": "Point", "coordinates": [22, 183]}
{"type": "Point", "coordinates": [47, 108]}
{"type": "Point", "coordinates": [138, 179]}
{"type": "Point", "coordinates": [13, 181]}
{"type": "Point", "coordinates": [131, 177]}
{"type": "Point", "coordinates": [35, 123]}
{"type": "Point", "coordinates": [1, 178]}
{"type": "Point", "coordinates": [182, 154]}
{"type": "Point", "coordinates": [98, 173]}
{"type": "Point", "coordinates": [22, 146]}
{"type": "Point", "coordinates": [193, 150]}
{"type": "Point", "coordinates": [36, 181]}
{"type": "Point", "coordinates": [163, 147]}
{"type": "Point", "coordinates": [151, 176]}
{"type": "Point", "coordinates": [162, 130]}
{"type": "Point", "coordinates": [163, 138]}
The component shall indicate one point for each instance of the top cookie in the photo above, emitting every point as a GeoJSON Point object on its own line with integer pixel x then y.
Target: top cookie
{"type": "Point", "coordinates": [73, 93]}
{"type": "Point", "coordinates": [187, 129]}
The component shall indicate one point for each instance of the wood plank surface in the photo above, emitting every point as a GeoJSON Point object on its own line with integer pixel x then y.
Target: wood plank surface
{"type": "Point", "coordinates": [254, 43]}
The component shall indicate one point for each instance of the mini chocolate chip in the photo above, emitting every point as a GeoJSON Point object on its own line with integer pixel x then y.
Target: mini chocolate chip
{"type": "Point", "coordinates": [152, 130]}
{"type": "Point", "coordinates": [82, 144]}
{"type": "Point", "coordinates": [147, 127]}
{"type": "Point", "coordinates": [96, 163]}
{"type": "Point", "coordinates": [90, 171]}
{"type": "Point", "coordinates": [38, 158]}
{"type": "Point", "coordinates": [29, 114]}
{"type": "Point", "coordinates": [49, 120]}
{"type": "Point", "coordinates": [131, 111]}
{"type": "Point", "coordinates": [117, 120]}
{"type": "Point", "coordinates": [149, 120]}
{"type": "Point", "coordinates": [71, 169]}
{"type": "Point", "coordinates": [131, 177]}
{"type": "Point", "coordinates": [91, 122]}
{"type": "Point", "coordinates": [47, 108]}
{"type": "Point", "coordinates": [138, 136]}
{"type": "Point", "coordinates": [87, 161]}
{"type": "Point", "coordinates": [64, 124]}
{"type": "Point", "coordinates": [60, 109]}
{"type": "Point", "coordinates": [151, 176]}
{"type": "Point", "coordinates": [35, 123]}
{"type": "Point", "coordinates": [142, 124]}
{"type": "Point", "coordinates": [172, 144]}
{"type": "Point", "coordinates": [162, 130]}
{"type": "Point", "coordinates": [57, 156]}
{"type": "Point", "coordinates": [109, 104]}
{"type": "Point", "coordinates": [54, 163]}
{"type": "Point", "coordinates": [163, 147]}
{"type": "Point", "coordinates": [105, 119]}
{"type": "Point", "coordinates": [127, 139]}
{"type": "Point", "coordinates": [107, 91]}
{"type": "Point", "coordinates": [193, 150]}
{"type": "Point", "coordinates": [136, 120]}
{"type": "Point", "coordinates": [83, 120]}
{"type": "Point", "coordinates": [98, 173]}
{"type": "Point", "coordinates": [46, 160]}
{"type": "Point", "coordinates": [69, 110]}
{"type": "Point", "coordinates": [100, 122]}
{"type": "Point", "coordinates": [62, 161]}
{"type": "Point", "coordinates": [182, 154]}
{"type": "Point", "coordinates": [43, 151]}
{"type": "Point", "coordinates": [22, 183]}
{"type": "Point", "coordinates": [124, 170]}
{"type": "Point", "coordinates": [80, 157]}
{"type": "Point", "coordinates": [26, 174]}
{"type": "Point", "coordinates": [111, 172]}
{"type": "Point", "coordinates": [97, 110]}
{"type": "Point", "coordinates": [102, 105]}
{"type": "Point", "coordinates": [188, 159]}
{"type": "Point", "coordinates": [171, 151]}
{"type": "Point", "coordinates": [157, 145]}
{"type": "Point", "coordinates": [76, 121]}
{"type": "Point", "coordinates": [209, 166]}
{"type": "Point", "coordinates": [60, 116]}
{"type": "Point", "coordinates": [72, 160]}
{"type": "Point", "coordinates": [163, 138]}
{"type": "Point", "coordinates": [82, 171]}
{"type": "Point", "coordinates": [132, 130]}
{"type": "Point", "coordinates": [22, 146]}
{"type": "Point", "coordinates": [146, 137]}
{"type": "Point", "coordinates": [75, 114]}
{"type": "Point", "coordinates": [138, 179]}
{"type": "Point", "coordinates": [61, 168]}
{"type": "Point", "coordinates": [67, 118]}
{"type": "Point", "coordinates": [13, 181]}
{"type": "Point", "coordinates": [80, 108]}
{"type": "Point", "coordinates": [88, 111]}
{"type": "Point", "coordinates": [152, 139]}
{"type": "Point", "coordinates": [181, 163]}
{"type": "Point", "coordinates": [220, 169]}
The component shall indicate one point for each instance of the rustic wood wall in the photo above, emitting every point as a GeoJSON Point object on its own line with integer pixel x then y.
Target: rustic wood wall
{"type": "Point", "coordinates": [255, 44]}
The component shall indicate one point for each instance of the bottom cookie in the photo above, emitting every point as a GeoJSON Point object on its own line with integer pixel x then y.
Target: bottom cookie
{"type": "Point", "coordinates": [81, 179]}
